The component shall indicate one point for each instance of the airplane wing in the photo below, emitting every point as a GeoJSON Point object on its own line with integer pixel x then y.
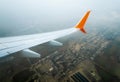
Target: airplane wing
{"type": "Point", "coordinates": [9, 45]}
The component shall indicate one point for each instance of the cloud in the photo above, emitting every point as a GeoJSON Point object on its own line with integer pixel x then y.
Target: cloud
{"type": "Point", "coordinates": [25, 16]}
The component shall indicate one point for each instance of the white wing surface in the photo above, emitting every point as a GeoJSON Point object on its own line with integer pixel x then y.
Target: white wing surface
{"type": "Point", "coordinates": [9, 45]}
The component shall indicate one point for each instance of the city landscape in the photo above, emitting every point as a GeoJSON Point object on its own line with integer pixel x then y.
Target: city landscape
{"type": "Point", "coordinates": [96, 56]}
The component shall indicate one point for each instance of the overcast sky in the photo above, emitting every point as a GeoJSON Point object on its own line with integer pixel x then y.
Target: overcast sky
{"type": "Point", "coordinates": [34, 16]}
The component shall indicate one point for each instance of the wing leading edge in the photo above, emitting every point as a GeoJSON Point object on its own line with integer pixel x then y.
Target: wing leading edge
{"type": "Point", "coordinates": [11, 45]}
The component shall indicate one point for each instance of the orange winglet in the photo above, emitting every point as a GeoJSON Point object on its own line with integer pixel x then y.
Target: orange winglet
{"type": "Point", "coordinates": [81, 24]}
